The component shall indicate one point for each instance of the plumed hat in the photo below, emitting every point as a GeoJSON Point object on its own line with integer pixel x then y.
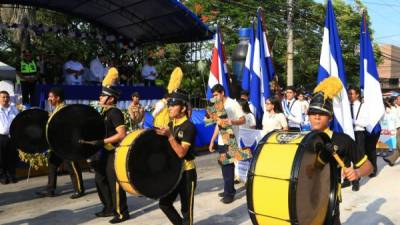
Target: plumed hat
{"type": "Point", "coordinates": [322, 99]}
{"type": "Point", "coordinates": [109, 82]}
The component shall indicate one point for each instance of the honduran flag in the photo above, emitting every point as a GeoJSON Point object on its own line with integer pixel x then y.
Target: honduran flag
{"type": "Point", "coordinates": [369, 81]}
{"type": "Point", "coordinates": [218, 69]}
{"type": "Point", "coordinates": [262, 71]}
{"type": "Point", "coordinates": [331, 64]}
{"type": "Point", "coordinates": [248, 65]}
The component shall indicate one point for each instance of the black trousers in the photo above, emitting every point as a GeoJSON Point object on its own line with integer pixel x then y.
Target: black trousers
{"type": "Point", "coordinates": [8, 157]}
{"type": "Point", "coordinates": [73, 168]}
{"type": "Point", "coordinates": [111, 194]}
{"type": "Point", "coordinates": [185, 189]}
{"type": "Point", "coordinates": [228, 174]}
{"type": "Point", "coordinates": [370, 148]}
{"type": "Point", "coordinates": [28, 90]}
{"type": "Point", "coordinates": [360, 140]}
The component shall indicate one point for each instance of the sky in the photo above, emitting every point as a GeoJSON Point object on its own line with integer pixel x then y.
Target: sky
{"type": "Point", "coordinates": [385, 19]}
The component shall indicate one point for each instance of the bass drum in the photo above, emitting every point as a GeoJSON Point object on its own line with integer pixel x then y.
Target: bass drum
{"type": "Point", "coordinates": [283, 185]}
{"type": "Point", "coordinates": [69, 125]}
{"type": "Point", "coordinates": [28, 130]}
{"type": "Point", "coordinates": [145, 164]}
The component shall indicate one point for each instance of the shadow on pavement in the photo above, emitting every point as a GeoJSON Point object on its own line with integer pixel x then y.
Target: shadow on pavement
{"type": "Point", "coordinates": [236, 216]}
{"type": "Point", "coordinates": [13, 197]}
{"type": "Point", "coordinates": [371, 215]}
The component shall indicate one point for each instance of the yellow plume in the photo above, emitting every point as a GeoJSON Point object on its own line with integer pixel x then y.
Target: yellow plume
{"type": "Point", "coordinates": [330, 86]}
{"type": "Point", "coordinates": [175, 80]}
{"type": "Point", "coordinates": [111, 77]}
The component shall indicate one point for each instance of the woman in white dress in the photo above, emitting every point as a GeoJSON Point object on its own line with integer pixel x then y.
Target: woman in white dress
{"type": "Point", "coordinates": [249, 117]}
{"type": "Point", "coordinates": [273, 117]}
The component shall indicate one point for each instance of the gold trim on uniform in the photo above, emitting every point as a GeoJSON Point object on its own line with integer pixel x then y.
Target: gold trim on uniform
{"type": "Point", "coordinates": [177, 122]}
{"type": "Point", "coordinates": [191, 205]}
{"type": "Point", "coordinates": [320, 160]}
{"type": "Point", "coordinates": [76, 176]}
{"type": "Point", "coordinates": [186, 143]}
{"type": "Point", "coordinates": [117, 200]}
{"type": "Point", "coordinates": [188, 165]}
{"type": "Point", "coordinates": [120, 126]}
{"type": "Point", "coordinates": [362, 161]}
{"type": "Point", "coordinates": [109, 147]}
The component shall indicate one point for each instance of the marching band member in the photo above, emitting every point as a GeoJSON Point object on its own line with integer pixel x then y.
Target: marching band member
{"type": "Point", "coordinates": [181, 134]}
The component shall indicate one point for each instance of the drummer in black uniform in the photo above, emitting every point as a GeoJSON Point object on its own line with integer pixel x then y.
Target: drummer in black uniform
{"type": "Point", "coordinates": [56, 99]}
{"type": "Point", "coordinates": [111, 194]}
{"type": "Point", "coordinates": [181, 135]}
{"type": "Point", "coordinates": [320, 114]}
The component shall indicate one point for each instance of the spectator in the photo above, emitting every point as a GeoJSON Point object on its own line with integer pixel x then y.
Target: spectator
{"type": "Point", "coordinates": [126, 72]}
{"type": "Point", "coordinates": [273, 118]}
{"type": "Point", "coordinates": [52, 70]}
{"type": "Point", "coordinates": [98, 68]}
{"type": "Point", "coordinates": [249, 117]}
{"type": "Point", "coordinates": [149, 73]}
{"type": "Point", "coordinates": [28, 73]}
{"type": "Point", "coordinates": [73, 71]}
{"type": "Point", "coordinates": [234, 117]}
{"type": "Point", "coordinates": [391, 160]}
{"type": "Point", "coordinates": [8, 151]}
{"type": "Point", "coordinates": [245, 95]}
{"type": "Point", "coordinates": [292, 109]}
{"type": "Point", "coordinates": [136, 112]}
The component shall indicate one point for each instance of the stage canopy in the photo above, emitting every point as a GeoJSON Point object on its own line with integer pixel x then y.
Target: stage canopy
{"type": "Point", "coordinates": [142, 21]}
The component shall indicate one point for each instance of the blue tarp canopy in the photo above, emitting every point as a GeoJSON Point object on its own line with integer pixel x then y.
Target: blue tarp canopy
{"type": "Point", "coordinates": [142, 21]}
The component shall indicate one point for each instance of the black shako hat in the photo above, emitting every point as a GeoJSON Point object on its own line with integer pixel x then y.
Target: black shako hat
{"type": "Point", "coordinates": [178, 97]}
{"type": "Point", "coordinates": [320, 105]}
{"type": "Point", "coordinates": [110, 91]}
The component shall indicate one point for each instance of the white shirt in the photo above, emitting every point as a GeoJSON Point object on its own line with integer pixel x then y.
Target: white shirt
{"type": "Point", "coordinates": [98, 69]}
{"type": "Point", "coordinates": [149, 72]}
{"type": "Point", "coordinates": [274, 121]}
{"type": "Point", "coordinates": [7, 115]}
{"type": "Point", "coordinates": [293, 112]}
{"type": "Point", "coordinates": [234, 112]}
{"type": "Point", "coordinates": [250, 121]}
{"type": "Point", "coordinates": [71, 79]}
{"type": "Point", "coordinates": [359, 116]}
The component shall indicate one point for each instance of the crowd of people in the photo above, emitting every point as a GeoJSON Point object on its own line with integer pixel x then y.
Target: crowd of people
{"type": "Point", "coordinates": [294, 111]}
{"type": "Point", "coordinates": [51, 69]}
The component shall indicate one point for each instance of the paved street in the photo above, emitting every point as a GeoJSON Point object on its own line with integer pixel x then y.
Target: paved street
{"type": "Point", "coordinates": [376, 203]}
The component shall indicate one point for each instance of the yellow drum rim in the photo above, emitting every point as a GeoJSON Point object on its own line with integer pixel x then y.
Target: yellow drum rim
{"type": "Point", "coordinates": [121, 162]}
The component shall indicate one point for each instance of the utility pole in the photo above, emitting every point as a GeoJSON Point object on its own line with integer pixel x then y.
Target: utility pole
{"type": "Point", "coordinates": [290, 43]}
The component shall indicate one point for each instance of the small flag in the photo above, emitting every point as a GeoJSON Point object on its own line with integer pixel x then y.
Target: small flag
{"type": "Point", "coordinates": [218, 69]}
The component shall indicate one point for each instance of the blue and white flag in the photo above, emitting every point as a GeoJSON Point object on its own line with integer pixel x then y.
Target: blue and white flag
{"type": "Point", "coordinates": [249, 61]}
{"type": "Point", "coordinates": [262, 71]}
{"type": "Point", "coordinates": [369, 81]}
{"type": "Point", "coordinates": [331, 64]}
{"type": "Point", "coordinates": [218, 69]}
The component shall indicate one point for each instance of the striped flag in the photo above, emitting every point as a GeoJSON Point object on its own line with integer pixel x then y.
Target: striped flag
{"type": "Point", "coordinates": [249, 61]}
{"type": "Point", "coordinates": [369, 81]}
{"type": "Point", "coordinates": [262, 71]}
{"type": "Point", "coordinates": [331, 64]}
{"type": "Point", "coordinates": [218, 69]}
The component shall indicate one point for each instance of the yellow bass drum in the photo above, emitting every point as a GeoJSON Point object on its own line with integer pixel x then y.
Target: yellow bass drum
{"type": "Point", "coordinates": [145, 164]}
{"type": "Point", "coordinates": [284, 187]}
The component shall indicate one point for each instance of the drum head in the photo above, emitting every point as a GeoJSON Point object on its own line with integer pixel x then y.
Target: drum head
{"type": "Point", "coordinates": [154, 168]}
{"type": "Point", "coordinates": [28, 130]}
{"type": "Point", "coordinates": [71, 124]}
{"type": "Point", "coordinates": [315, 188]}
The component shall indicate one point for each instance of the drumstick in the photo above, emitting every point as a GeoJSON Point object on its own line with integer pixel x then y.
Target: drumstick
{"type": "Point", "coordinates": [333, 149]}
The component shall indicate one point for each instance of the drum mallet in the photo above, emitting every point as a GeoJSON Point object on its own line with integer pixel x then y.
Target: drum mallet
{"type": "Point", "coordinates": [333, 149]}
